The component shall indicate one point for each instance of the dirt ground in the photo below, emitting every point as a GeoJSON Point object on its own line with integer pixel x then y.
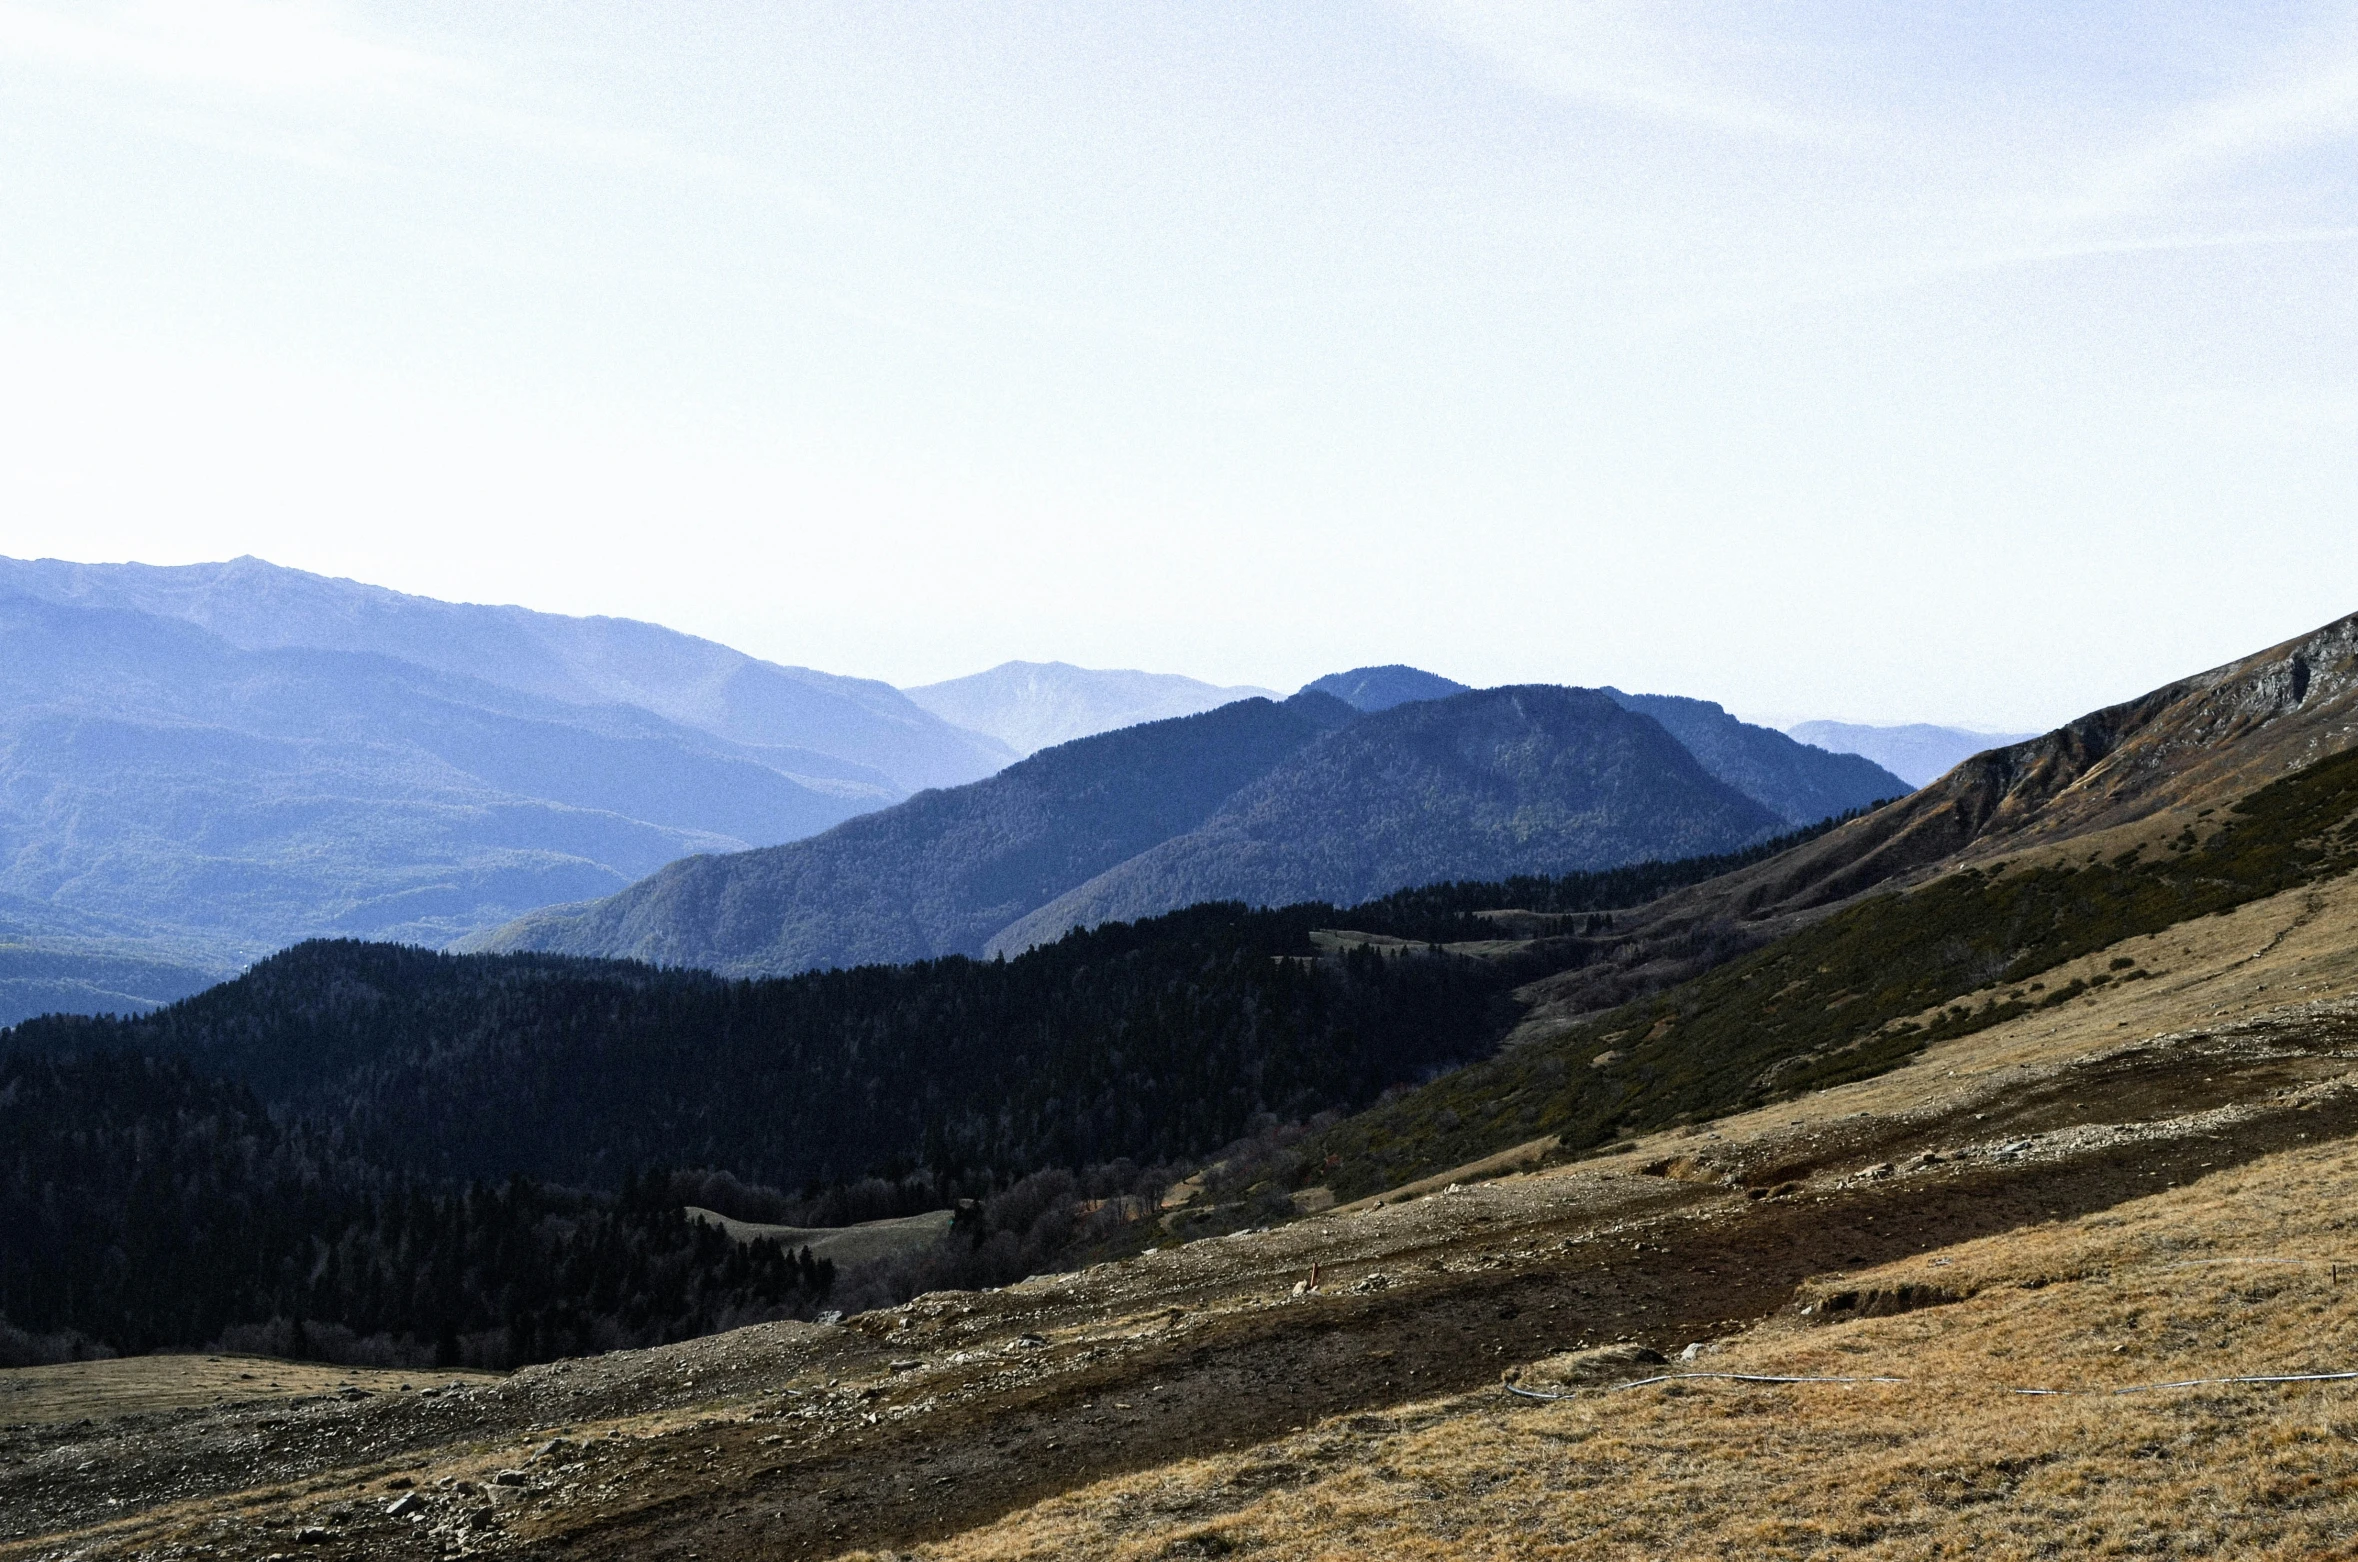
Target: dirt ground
{"type": "Point", "coordinates": [961, 1414]}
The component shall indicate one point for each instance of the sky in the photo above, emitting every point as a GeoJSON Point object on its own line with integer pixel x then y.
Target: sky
{"type": "Point", "coordinates": [1978, 363]}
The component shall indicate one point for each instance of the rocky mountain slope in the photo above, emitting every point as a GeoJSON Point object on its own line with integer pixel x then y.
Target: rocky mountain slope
{"type": "Point", "coordinates": [2152, 768]}
{"type": "Point", "coordinates": [1030, 706]}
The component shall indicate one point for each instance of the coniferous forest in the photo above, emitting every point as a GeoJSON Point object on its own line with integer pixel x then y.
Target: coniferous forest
{"type": "Point", "coordinates": [374, 1152]}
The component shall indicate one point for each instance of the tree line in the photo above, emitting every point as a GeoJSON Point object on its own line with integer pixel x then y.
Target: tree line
{"type": "Point", "coordinates": [379, 1152]}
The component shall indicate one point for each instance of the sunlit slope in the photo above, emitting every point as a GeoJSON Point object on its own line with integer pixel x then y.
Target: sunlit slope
{"type": "Point", "coordinates": [2241, 1274]}
{"type": "Point", "coordinates": [1860, 990]}
{"type": "Point", "coordinates": [1156, 1406]}
{"type": "Point", "coordinates": [2156, 761]}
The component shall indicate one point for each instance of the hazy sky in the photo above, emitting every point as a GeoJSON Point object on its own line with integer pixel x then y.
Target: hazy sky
{"type": "Point", "coordinates": [1957, 362]}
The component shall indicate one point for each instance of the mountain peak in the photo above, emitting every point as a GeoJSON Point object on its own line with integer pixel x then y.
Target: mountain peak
{"type": "Point", "coordinates": [1030, 706]}
{"type": "Point", "coordinates": [1381, 688]}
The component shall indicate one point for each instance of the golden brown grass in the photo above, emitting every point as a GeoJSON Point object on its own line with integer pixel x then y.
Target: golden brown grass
{"type": "Point", "coordinates": [2186, 1284]}
{"type": "Point", "coordinates": [133, 1385]}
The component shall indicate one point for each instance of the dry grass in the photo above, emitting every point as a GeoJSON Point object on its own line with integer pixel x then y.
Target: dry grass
{"type": "Point", "coordinates": [860, 1244]}
{"type": "Point", "coordinates": [134, 1385]}
{"type": "Point", "coordinates": [1946, 1464]}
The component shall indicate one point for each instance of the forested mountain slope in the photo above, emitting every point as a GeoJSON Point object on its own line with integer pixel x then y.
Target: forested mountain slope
{"type": "Point", "coordinates": [167, 1178]}
{"type": "Point", "coordinates": [1317, 803]}
{"type": "Point", "coordinates": [1483, 785]}
{"type": "Point", "coordinates": [1030, 706]}
{"type": "Point", "coordinates": [942, 872]}
{"type": "Point", "coordinates": [1381, 688]}
{"type": "Point", "coordinates": [1801, 783]}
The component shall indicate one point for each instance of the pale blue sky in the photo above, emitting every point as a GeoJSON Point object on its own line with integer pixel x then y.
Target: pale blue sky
{"type": "Point", "coordinates": [1979, 363]}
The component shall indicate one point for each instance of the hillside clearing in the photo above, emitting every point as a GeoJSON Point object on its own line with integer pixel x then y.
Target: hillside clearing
{"type": "Point", "coordinates": [842, 1245]}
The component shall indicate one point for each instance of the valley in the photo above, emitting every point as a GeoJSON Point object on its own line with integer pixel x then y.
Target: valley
{"type": "Point", "coordinates": [2034, 1085]}
{"type": "Point", "coordinates": [1215, 1387]}
{"type": "Point", "coordinates": [1440, 782]}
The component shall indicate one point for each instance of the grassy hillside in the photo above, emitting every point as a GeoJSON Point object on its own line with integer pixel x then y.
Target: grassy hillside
{"type": "Point", "coordinates": [2239, 1274]}
{"type": "Point", "coordinates": [1848, 997]}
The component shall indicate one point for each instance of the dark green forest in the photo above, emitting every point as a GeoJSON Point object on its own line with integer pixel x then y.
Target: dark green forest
{"type": "Point", "coordinates": [143, 1204]}
{"type": "Point", "coordinates": [377, 1152]}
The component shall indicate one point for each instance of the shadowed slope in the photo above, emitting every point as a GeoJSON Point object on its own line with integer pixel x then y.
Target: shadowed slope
{"type": "Point", "coordinates": [1528, 779]}
{"type": "Point", "coordinates": [1801, 783]}
{"type": "Point", "coordinates": [943, 871]}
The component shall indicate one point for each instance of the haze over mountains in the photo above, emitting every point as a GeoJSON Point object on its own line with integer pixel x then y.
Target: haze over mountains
{"type": "Point", "coordinates": [1303, 800]}
{"type": "Point", "coordinates": [199, 765]}
{"type": "Point", "coordinates": [2107, 1025]}
{"type": "Point", "coordinates": [1918, 753]}
{"type": "Point", "coordinates": [1030, 706]}
{"type": "Point", "coordinates": [943, 872]}
{"type": "Point", "coordinates": [205, 763]}
{"type": "Point", "coordinates": [815, 718]}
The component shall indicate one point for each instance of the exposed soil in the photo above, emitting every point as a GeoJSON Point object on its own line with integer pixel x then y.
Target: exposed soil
{"type": "Point", "coordinates": [930, 1419]}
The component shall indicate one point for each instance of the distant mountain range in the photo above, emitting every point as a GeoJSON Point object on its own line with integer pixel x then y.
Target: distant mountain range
{"type": "Point", "coordinates": [1258, 801]}
{"type": "Point", "coordinates": [1030, 706]}
{"type": "Point", "coordinates": [943, 872]}
{"type": "Point", "coordinates": [1918, 754]}
{"type": "Point", "coordinates": [690, 682]}
{"type": "Point", "coordinates": [200, 765]}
